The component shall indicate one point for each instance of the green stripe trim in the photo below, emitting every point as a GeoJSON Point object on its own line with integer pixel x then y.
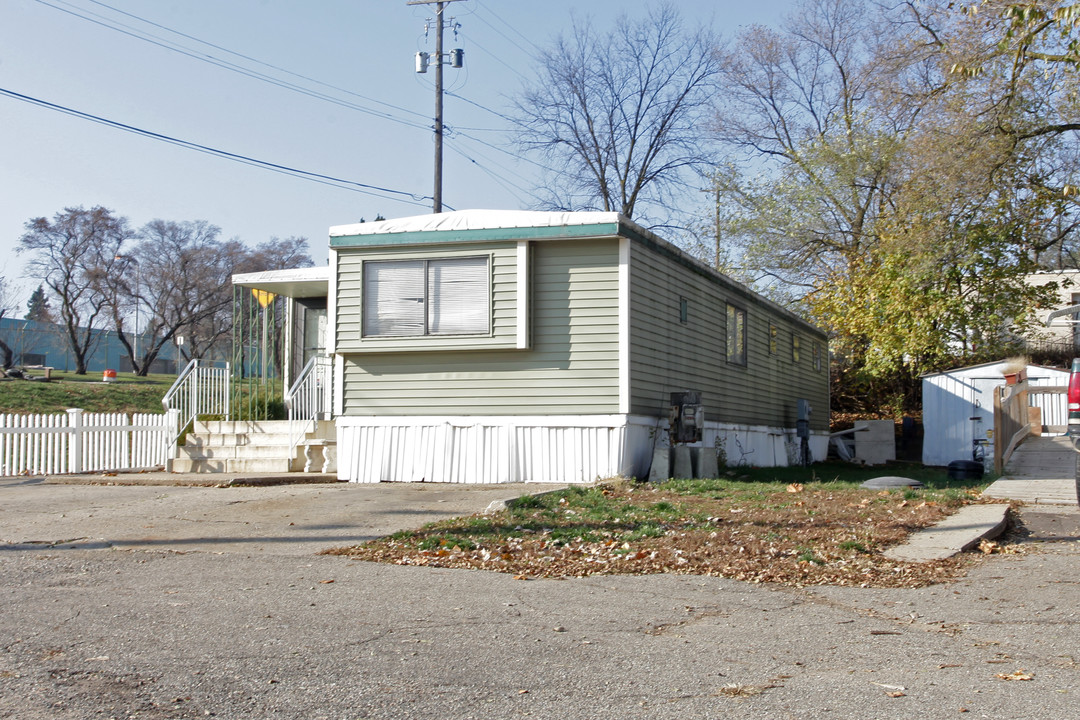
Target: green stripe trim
{"type": "Point", "coordinates": [443, 237]}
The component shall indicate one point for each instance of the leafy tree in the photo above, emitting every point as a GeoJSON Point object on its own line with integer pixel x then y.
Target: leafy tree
{"type": "Point", "coordinates": [879, 191]}
{"type": "Point", "coordinates": [619, 117]}
{"type": "Point", "coordinates": [74, 255]}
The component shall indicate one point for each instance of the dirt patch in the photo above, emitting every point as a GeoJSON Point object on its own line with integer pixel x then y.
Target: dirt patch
{"type": "Point", "coordinates": [795, 535]}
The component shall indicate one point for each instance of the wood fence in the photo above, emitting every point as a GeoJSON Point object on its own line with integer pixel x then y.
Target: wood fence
{"type": "Point", "coordinates": [77, 441]}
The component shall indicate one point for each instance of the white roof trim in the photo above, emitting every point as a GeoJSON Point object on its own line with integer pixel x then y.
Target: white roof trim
{"type": "Point", "coordinates": [296, 283]}
{"type": "Point", "coordinates": [475, 220]}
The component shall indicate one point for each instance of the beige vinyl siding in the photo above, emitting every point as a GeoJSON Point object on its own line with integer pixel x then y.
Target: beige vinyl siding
{"type": "Point", "coordinates": [668, 356]}
{"type": "Point", "coordinates": [572, 367]}
{"type": "Point", "coordinates": [504, 294]}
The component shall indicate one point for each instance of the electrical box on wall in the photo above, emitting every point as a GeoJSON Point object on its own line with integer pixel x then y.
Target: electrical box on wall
{"type": "Point", "coordinates": [802, 422]}
{"type": "Point", "coordinates": [686, 417]}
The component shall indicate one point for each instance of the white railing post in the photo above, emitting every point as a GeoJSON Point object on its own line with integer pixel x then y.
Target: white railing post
{"type": "Point", "coordinates": [308, 398]}
{"type": "Point", "coordinates": [226, 391]}
{"type": "Point", "coordinates": [76, 447]}
{"type": "Point", "coordinates": [171, 437]}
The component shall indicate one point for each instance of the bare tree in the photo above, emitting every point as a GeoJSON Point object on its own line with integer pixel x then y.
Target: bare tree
{"type": "Point", "coordinates": [7, 356]}
{"type": "Point", "coordinates": [620, 118]}
{"type": "Point", "coordinates": [209, 329]}
{"type": "Point", "coordinates": [176, 276]}
{"type": "Point", "coordinates": [74, 255]}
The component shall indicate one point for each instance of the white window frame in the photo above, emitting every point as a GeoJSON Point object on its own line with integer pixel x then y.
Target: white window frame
{"type": "Point", "coordinates": [426, 266]}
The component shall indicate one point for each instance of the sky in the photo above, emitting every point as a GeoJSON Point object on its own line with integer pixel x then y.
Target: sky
{"type": "Point", "coordinates": [327, 87]}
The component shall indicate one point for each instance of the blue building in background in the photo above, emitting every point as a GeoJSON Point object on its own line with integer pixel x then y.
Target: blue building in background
{"type": "Point", "coordinates": [45, 344]}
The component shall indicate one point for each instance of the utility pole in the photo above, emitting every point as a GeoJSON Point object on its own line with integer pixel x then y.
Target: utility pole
{"type": "Point", "coordinates": [421, 67]}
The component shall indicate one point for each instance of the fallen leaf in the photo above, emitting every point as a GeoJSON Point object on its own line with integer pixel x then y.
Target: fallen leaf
{"type": "Point", "coordinates": [795, 488]}
{"type": "Point", "coordinates": [895, 693]}
{"type": "Point", "coordinates": [1017, 675]}
{"type": "Point", "coordinates": [325, 582]}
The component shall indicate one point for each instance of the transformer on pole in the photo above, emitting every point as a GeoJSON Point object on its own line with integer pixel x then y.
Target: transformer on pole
{"type": "Point", "coordinates": [456, 59]}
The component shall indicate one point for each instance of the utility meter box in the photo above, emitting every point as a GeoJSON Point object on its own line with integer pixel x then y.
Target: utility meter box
{"type": "Point", "coordinates": [802, 422]}
{"type": "Point", "coordinates": [686, 417]}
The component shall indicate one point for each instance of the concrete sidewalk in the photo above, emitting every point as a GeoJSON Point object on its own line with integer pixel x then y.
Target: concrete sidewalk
{"type": "Point", "coordinates": [955, 534]}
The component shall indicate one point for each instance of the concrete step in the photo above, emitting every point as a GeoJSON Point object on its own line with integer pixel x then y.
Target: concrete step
{"type": "Point", "coordinates": [229, 427]}
{"type": "Point", "coordinates": [254, 452]}
{"type": "Point", "coordinates": [237, 439]}
{"type": "Point", "coordinates": [230, 465]}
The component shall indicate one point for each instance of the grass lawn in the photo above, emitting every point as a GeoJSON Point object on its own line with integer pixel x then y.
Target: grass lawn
{"type": "Point", "coordinates": [129, 394]}
{"type": "Point", "coordinates": [797, 526]}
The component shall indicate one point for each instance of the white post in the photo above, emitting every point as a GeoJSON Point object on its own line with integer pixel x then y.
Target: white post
{"type": "Point", "coordinates": [171, 437]}
{"type": "Point", "coordinates": [75, 449]}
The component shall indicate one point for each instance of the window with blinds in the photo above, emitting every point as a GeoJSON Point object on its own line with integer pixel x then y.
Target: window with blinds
{"type": "Point", "coordinates": [444, 296]}
{"type": "Point", "coordinates": [736, 335]}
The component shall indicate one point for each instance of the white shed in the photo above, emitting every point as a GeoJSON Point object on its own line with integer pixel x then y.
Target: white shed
{"type": "Point", "coordinates": [958, 406]}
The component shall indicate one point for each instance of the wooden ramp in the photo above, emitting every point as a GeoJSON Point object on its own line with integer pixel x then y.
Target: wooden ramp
{"type": "Point", "coordinates": [1042, 471]}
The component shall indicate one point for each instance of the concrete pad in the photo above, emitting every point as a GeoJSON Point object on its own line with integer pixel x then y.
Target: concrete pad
{"type": "Point", "coordinates": [890, 481]}
{"type": "Point", "coordinates": [174, 479]}
{"type": "Point", "coordinates": [953, 535]}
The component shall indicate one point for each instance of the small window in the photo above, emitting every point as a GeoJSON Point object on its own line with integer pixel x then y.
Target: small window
{"type": "Point", "coordinates": [795, 342]}
{"type": "Point", "coordinates": [773, 345]}
{"type": "Point", "coordinates": [817, 357]}
{"type": "Point", "coordinates": [736, 335]}
{"type": "Point", "coordinates": [446, 296]}
{"type": "Point", "coordinates": [684, 310]}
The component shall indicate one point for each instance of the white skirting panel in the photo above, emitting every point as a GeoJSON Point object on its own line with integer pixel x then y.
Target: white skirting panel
{"type": "Point", "coordinates": [572, 449]}
{"type": "Point", "coordinates": [762, 446]}
{"type": "Point", "coordinates": [492, 449]}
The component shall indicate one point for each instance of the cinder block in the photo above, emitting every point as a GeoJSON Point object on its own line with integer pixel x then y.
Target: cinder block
{"type": "Point", "coordinates": [705, 462]}
{"type": "Point", "coordinates": [661, 465]}
{"type": "Point", "coordinates": [682, 465]}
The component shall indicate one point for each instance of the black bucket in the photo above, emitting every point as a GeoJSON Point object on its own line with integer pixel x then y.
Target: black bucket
{"type": "Point", "coordinates": [965, 470]}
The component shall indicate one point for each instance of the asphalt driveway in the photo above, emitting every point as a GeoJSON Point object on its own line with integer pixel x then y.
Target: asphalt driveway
{"type": "Point", "coordinates": [280, 519]}
{"type": "Point", "coordinates": [159, 603]}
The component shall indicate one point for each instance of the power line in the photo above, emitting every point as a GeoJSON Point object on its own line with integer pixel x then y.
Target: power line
{"type": "Point", "coordinates": [501, 61]}
{"type": "Point", "coordinates": [509, 25]}
{"type": "Point", "coordinates": [257, 61]}
{"type": "Point", "coordinates": [364, 188]}
{"type": "Point", "coordinates": [507, 152]}
{"type": "Point", "coordinates": [500, 179]}
{"type": "Point", "coordinates": [253, 74]}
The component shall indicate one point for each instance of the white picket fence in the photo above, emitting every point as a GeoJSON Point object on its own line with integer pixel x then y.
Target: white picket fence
{"type": "Point", "coordinates": [77, 441]}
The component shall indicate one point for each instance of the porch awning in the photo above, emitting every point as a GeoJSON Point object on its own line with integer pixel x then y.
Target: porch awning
{"type": "Point", "coordinates": [298, 283]}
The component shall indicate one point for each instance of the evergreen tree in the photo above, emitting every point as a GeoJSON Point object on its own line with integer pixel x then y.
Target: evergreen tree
{"type": "Point", "coordinates": [37, 307]}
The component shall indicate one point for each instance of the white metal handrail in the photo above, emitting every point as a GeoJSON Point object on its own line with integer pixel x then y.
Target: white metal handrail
{"type": "Point", "coordinates": [199, 390]}
{"type": "Point", "coordinates": [309, 398]}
